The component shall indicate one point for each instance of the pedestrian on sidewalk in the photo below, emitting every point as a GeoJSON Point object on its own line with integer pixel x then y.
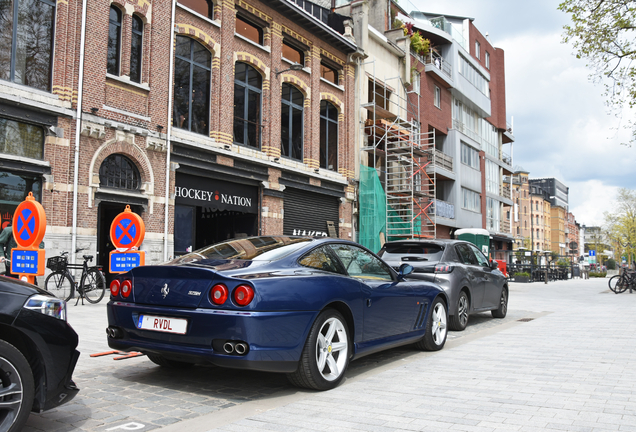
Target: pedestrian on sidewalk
{"type": "Point", "coordinates": [7, 243]}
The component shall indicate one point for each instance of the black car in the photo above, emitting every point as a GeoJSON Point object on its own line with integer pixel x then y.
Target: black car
{"type": "Point", "coordinates": [472, 283]}
{"type": "Point", "coordinates": [37, 353]}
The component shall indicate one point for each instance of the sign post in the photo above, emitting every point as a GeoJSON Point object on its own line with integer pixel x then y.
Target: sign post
{"type": "Point", "coordinates": [126, 232]}
{"type": "Point", "coordinates": [29, 226]}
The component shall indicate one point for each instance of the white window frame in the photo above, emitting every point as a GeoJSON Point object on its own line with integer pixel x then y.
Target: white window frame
{"type": "Point", "coordinates": [487, 60]}
{"type": "Point", "coordinates": [471, 200]}
{"type": "Point", "coordinates": [438, 98]}
{"type": "Point", "coordinates": [416, 82]}
{"type": "Point", "coordinates": [477, 49]}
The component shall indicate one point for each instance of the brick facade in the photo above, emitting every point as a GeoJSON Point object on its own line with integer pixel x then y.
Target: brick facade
{"type": "Point", "coordinates": [132, 119]}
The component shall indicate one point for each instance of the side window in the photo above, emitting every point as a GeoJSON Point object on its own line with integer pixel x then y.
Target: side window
{"type": "Point", "coordinates": [361, 264]}
{"type": "Point", "coordinates": [466, 255]}
{"type": "Point", "coordinates": [481, 259]}
{"type": "Point", "coordinates": [321, 259]}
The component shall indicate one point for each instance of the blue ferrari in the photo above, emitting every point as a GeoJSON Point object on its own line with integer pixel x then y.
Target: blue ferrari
{"type": "Point", "coordinates": [300, 306]}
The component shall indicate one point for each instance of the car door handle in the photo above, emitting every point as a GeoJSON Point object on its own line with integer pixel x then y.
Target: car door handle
{"type": "Point", "coordinates": [368, 302]}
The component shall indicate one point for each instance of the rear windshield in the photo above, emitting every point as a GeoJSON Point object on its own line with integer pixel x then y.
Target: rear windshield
{"type": "Point", "coordinates": [431, 252]}
{"type": "Point", "coordinates": [253, 249]}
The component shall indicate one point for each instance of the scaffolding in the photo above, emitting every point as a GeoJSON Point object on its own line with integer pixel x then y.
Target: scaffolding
{"type": "Point", "coordinates": [403, 156]}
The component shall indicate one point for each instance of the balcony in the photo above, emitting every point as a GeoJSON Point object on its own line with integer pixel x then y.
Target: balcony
{"type": "Point", "coordinates": [505, 157]}
{"type": "Point", "coordinates": [442, 209]}
{"type": "Point", "coordinates": [443, 160]}
{"type": "Point", "coordinates": [461, 127]}
{"type": "Point", "coordinates": [504, 191]}
{"type": "Point", "coordinates": [505, 226]}
{"type": "Point", "coordinates": [438, 67]}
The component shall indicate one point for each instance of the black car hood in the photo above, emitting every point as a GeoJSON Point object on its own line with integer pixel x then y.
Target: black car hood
{"type": "Point", "coordinates": [15, 286]}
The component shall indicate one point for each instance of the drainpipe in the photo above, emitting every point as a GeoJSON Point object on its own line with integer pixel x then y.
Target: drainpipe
{"type": "Point", "coordinates": [78, 130]}
{"type": "Point", "coordinates": [168, 135]}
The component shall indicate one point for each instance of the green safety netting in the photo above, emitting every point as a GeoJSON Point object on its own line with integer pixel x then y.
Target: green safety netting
{"type": "Point", "coordinates": [372, 209]}
{"type": "Point", "coordinates": [373, 212]}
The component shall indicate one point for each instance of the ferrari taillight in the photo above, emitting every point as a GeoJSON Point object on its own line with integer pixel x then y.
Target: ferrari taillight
{"type": "Point", "coordinates": [443, 268]}
{"type": "Point", "coordinates": [243, 295]}
{"type": "Point", "coordinates": [218, 294]}
{"type": "Point", "coordinates": [114, 287]}
{"type": "Point", "coordinates": [126, 288]}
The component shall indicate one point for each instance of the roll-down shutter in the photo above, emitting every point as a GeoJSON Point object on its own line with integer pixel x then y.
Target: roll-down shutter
{"type": "Point", "coordinates": [307, 213]}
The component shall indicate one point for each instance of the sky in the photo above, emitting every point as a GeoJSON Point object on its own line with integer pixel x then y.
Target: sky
{"type": "Point", "coordinates": [561, 124]}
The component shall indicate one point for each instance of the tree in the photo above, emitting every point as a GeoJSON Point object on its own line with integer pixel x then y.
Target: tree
{"type": "Point", "coordinates": [621, 224]}
{"type": "Point", "coordinates": [602, 32]}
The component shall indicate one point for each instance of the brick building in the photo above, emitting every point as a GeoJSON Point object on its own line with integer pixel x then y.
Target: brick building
{"type": "Point", "coordinates": [238, 123]}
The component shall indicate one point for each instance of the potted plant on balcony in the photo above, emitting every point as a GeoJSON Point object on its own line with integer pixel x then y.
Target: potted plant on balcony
{"type": "Point", "coordinates": [523, 277]}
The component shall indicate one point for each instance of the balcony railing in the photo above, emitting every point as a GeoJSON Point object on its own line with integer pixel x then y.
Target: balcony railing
{"type": "Point", "coordinates": [460, 126]}
{"type": "Point", "coordinates": [505, 157]}
{"type": "Point", "coordinates": [442, 209]}
{"type": "Point", "coordinates": [504, 191]}
{"type": "Point", "coordinates": [505, 226]}
{"type": "Point", "coordinates": [443, 160]}
{"type": "Point", "coordinates": [435, 59]}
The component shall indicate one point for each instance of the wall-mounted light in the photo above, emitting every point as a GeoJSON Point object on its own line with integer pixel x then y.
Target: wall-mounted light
{"type": "Point", "coordinates": [276, 159]}
{"type": "Point", "coordinates": [159, 128]}
{"type": "Point", "coordinates": [227, 146]}
{"type": "Point", "coordinates": [94, 110]}
{"type": "Point", "coordinates": [317, 170]}
{"type": "Point", "coordinates": [294, 67]}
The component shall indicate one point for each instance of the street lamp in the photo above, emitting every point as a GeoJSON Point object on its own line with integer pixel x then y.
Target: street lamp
{"type": "Point", "coordinates": [294, 67]}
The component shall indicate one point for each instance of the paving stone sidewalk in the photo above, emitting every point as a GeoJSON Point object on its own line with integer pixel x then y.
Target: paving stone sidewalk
{"type": "Point", "coordinates": [573, 369]}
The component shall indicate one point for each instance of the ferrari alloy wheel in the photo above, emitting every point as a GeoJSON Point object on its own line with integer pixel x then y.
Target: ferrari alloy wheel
{"type": "Point", "coordinates": [436, 328]}
{"type": "Point", "coordinates": [16, 388]}
{"type": "Point", "coordinates": [326, 353]}
{"type": "Point", "coordinates": [459, 321]}
{"type": "Point", "coordinates": [501, 311]}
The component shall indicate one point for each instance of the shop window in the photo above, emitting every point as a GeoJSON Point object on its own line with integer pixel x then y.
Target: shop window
{"type": "Point", "coordinates": [136, 45]}
{"type": "Point", "coordinates": [293, 54]}
{"type": "Point", "coordinates": [26, 42]}
{"type": "Point", "coordinates": [13, 190]}
{"type": "Point", "coordinates": [328, 136]}
{"type": "Point", "coordinates": [114, 41]}
{"type": "Point", "coordinates": [203, 7]}
{"type": "Point", "coordinates": [119, 172]}
{"type": "Point", "coordinates": [249, 31]}
{"type": "Point", "coordinates": [328, 73]}
{"type": "Point", "coordinates": [192, 86]}
{"type": "Point", "coordinates": [291, 122]}
{"type": "Point", "coordinates": [21, 139]}
{"type": "Point", "coordinates": [247, 105]}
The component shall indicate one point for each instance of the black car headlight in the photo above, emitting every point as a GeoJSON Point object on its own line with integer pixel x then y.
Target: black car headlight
{"type": "Point", "coordinates": [50, 306]}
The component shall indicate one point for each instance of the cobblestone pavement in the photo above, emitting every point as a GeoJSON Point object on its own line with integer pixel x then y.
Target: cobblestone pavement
{"type": "Point", "coordinates": [135, 394]}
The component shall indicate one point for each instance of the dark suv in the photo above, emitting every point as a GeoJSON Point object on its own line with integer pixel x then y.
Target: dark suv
{"type": "Point", "coordinates": [460, 268]}
{"type": "Point", "coordinates": [37, 353]}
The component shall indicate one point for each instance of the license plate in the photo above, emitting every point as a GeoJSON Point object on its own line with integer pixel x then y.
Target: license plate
{"type": "Point", "coordinates": [162, 324]}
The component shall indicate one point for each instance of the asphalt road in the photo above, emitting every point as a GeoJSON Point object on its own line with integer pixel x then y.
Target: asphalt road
{"type": "Point", "coordinates": [563, 359]}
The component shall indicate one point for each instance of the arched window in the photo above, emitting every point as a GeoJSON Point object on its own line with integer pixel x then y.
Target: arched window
{"type": "Point", "coordinates": [291, 122]}
{"type": "Point", "coordinates": [192, 66]}
{"type": "Point", "coordinates": [136, 45]}
{"type": "Point", "coordinates": [26, 42]}
{"type": "Point", "coordinates": [119, 172]}
{"type": "Point", "coordinates": [114, 41]}
{"type": "Point", "coordinates": [247, 105]}
{"type": "Point", "coordinates": [204, 7]}
{"type": "Point", "coordinates": [328, 136]}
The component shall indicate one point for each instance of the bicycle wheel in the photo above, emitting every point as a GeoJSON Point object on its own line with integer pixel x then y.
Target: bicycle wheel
{"type": "Point", "coordinates": [60, 285]}
{"type": "Point", "coordinates": [618, 284]}
{"type": "Point", "coordinates": [93, 285]}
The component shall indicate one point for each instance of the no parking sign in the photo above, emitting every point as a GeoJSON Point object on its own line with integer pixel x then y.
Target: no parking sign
{"type": "Point", "coordinates": [29, 227]}
{"type": "Point", "coordinates": [127, 232]}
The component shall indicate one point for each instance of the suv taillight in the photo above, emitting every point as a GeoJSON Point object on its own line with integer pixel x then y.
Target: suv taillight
{"type": "Point", "coordinates": [443, 268]}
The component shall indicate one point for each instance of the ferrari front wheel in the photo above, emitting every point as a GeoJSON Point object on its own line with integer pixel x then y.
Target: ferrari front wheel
{"type": "Point", "coordinates": [325, 356]}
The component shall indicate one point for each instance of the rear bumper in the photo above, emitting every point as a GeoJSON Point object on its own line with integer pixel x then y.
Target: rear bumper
{"type": "Point", "coordinates": [275, 339]}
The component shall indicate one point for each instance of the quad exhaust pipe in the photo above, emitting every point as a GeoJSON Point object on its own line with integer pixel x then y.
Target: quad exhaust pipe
{"type": "Point", "coordinates": [232, 347]}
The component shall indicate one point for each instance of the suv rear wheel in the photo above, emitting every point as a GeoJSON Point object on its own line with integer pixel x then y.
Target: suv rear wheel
{"type": "Point", "coordinates": [459, 321]}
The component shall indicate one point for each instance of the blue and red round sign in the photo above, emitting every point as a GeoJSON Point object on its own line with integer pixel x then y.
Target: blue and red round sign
{"type": "Point", "coordinates": [29, 223]}
{"type": "Point", "coordinates": [127, 230]}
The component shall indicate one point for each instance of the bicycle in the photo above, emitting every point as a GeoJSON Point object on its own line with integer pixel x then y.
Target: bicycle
{"type": "Point", "coordinates": [622, 282]}
{"type": "Point", "coordinates": [61, 282]}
